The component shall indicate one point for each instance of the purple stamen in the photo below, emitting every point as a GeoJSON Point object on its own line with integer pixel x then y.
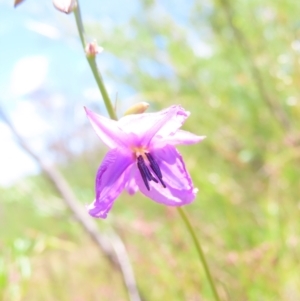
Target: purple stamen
{"type": "Point", "coordinates": [155, 167]}
{"type": "Point", "coordinates": [142, 168]}
{"type": "Point", "coordinates": [145, 172]}
{"type": "Point", "coordinates": [149, 174]}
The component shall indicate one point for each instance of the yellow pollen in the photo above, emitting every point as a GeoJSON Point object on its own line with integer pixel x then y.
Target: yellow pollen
{"type": "Point", "coordinates": [139, 151]}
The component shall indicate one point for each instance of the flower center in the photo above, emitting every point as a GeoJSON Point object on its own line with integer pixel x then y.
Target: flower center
{"type": "Point", "coordinates": [147, 167]}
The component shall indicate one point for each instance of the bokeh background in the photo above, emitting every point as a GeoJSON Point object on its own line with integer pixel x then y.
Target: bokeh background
{"type": "Point", "coordinates": [235, 65]}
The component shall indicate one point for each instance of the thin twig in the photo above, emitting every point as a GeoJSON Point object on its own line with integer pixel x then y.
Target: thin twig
{"type": "Point", "coordinates": [200, 252]}
{"type": "Point", "coordinates": [93, 65]}
{"type": "Point", "coordinates": [126, 267]}
{"type": "Point", "coordinates": [272, 104]}
{"type": "Point", "coordinates": [112, 246]}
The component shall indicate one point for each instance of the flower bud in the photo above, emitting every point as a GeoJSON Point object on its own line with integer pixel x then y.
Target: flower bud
{"type": "Point", "coordinates": [138, 108]}
{"type": "Point", "coordinates": [65, 6]}
{"type": "Point", "coordinates": [92, 49]}
{"type": "Point", "coordinates": [17, 2]}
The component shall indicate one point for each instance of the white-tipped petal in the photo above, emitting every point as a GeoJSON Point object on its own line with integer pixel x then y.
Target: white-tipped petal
{"type": "Point", "coordinates": [65, 6]}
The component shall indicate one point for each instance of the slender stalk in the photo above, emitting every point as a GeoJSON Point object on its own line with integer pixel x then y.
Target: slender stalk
{"type": "Point", "coordinates": [93, 65]}
{"type": "Point", "coordinates": [117, 244]}
{"type": "Point", "coordinates": [197, 244]}
{"type": "Point", "coordinates": [98, 78]}
{"type": "Point", "coordinates": [112, 114]}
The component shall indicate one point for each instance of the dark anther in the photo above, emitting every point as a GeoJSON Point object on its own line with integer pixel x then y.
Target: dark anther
{"type": "Point", "coordinates": [149, 175]}
{"type": "Point", "coordinates": [141, 166]}
{"type": "Point", "coordinates": [145, 172]}
{"type": "Point", "coordinates": [154, 166]}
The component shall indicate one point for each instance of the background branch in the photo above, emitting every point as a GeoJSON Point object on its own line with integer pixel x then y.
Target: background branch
{"type": "Point", "coordinates": [272, 104]}
{"type": "Point", "coordinates": [112, 245]}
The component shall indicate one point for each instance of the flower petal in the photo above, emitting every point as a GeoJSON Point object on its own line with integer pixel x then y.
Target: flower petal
{"type": "Point", "coordinates": [131, 185]}
{"type": "Point", "coordinates": [180, 189]}
{"type": "Point", "coordinates": [180, 137]}
{"type": "Point", "coordinates": [111, 179]}
{"type": "Point", "coordinates": [162, 123]}
{"type": "Point", "coordinates": [108, 130]}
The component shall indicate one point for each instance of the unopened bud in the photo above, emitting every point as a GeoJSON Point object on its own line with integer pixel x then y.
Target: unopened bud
{"type": "Point", "coordinates": [65, 6]}
{"type": "Point", "coordinates": [17, 2]}
{"type": "Point", "coordinates": [92, 49]}
{"type": "Point", "coordinates": [138, 108]}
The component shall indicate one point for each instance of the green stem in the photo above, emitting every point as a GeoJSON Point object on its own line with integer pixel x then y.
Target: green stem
{"type": "Point", "coordinates": [112, 114]}
{"type": "Point", "coordinates": [93, 65]}
{"type": "Point", "coordinates": [109, 107]}
{"type": "Point", "coordinates": [190, 228]}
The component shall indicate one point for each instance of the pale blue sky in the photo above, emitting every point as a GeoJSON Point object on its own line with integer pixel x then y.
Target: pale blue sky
{"type": "Point", "coordinates": [40, 52]}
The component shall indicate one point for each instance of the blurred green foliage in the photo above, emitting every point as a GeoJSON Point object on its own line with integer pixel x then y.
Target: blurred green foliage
{"type": "Point", "coordinates": [235, 66]}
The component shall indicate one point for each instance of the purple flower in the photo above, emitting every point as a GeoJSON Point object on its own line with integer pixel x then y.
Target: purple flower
{"type": "Point", "coordinates": [143, 157]}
